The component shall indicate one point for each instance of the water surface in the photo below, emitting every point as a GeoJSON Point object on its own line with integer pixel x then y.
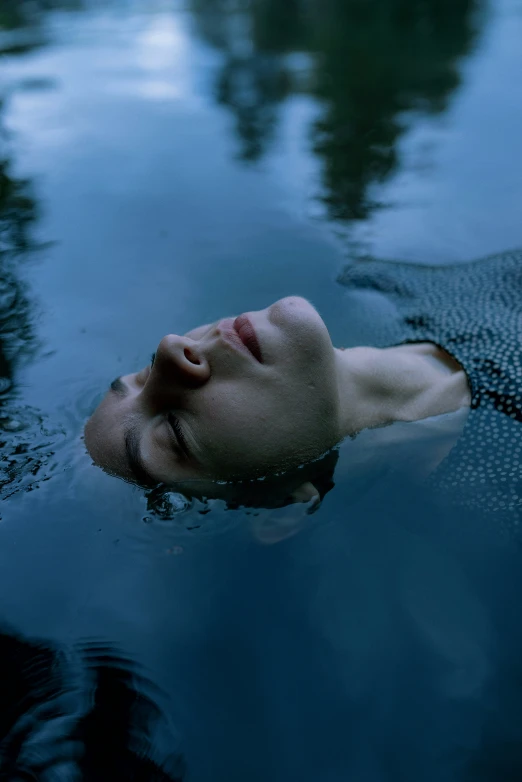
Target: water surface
{"type": "Point", "coordinates": [165, 164]}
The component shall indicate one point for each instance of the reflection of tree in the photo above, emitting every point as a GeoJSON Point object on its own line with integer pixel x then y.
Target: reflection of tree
{"type": "Point", "coordinates": [380, 58]}
{"type": "Point", "coordinates": [374, 60]}
{"type": "Point", "coordinates": [16, 13]}
{"type": "Point", "coordinates": [254, 79]}
{"type": "Point", "coordinates": [252, 87]}
{"type": "Point", "coordinates": [26, 441]}
{"type": "Point", "coordinates": [87, 714]}
{"type": "Point", "coordinates": [25, 17]}
{"type": "Point", "coordinates": [17, 213]}
{"type": "Point", "coordinates": [23, 450]}
{"type": "Point", "coordinates": [11, 14]}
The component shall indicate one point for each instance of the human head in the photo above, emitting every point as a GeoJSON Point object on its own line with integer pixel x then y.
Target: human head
{"type": "Point", "coordinates": [237, 400]}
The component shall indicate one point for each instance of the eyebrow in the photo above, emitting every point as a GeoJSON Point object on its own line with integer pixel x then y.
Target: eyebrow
{"type": "Point", "coordinates": [131, 438]}
{"type": "Point", "coordinates": [119, 387]}
{"type": "Point", "coordinates": [135, 462]}
{"type": "Point", "coordinates": [132, 442]}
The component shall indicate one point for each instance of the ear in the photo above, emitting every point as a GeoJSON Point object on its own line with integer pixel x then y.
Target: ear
{"type": "Point", "coordinates": [277, 525]}
{"type": "Point", "coordinates": [306, 492]}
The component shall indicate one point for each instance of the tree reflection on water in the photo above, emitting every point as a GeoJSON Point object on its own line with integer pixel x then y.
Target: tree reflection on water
{"type": "Point", "coordinates": [18, 211]}
{"type": "Point", "coordinates": [86, 713]}
{"type": "Point", "coordinates": [24, 440]}
{"type": "Point", "coordinates": [367, 61]}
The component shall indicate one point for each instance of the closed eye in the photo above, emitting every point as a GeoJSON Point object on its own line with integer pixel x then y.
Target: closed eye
{"type": "Point", "coordinates": [178, 434]}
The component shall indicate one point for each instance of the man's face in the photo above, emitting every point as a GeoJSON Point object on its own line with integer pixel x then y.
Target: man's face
{"type": "Point", "coordinates": [234, 400]}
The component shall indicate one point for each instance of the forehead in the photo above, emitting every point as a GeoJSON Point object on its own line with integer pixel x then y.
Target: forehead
{"type": "Point", "coordinates": [105, 434]}
{"type": "Point", "coordinates": [236, 427]}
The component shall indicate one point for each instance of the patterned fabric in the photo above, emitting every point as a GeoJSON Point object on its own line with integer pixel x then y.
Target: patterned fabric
{"type": "Point", "coordinates": [473, 311]}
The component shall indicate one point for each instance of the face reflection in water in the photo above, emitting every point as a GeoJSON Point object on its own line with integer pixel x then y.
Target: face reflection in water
{"type": "Point", "coordinates": [227, 401]}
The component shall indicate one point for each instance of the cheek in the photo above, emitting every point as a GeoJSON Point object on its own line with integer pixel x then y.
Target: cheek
{"type": "Point", "coordinates": [266, 431]}
{"type": "Point", "coordinates": [308, 389]}
{"type": "Point", "coordinates": [104, 433]}
{"type": "Point", "coordinates": [94, 428]}
{"type": "Point", "coordinates": [309, 415]}
{"type": "Point", "coordinates": [101, 440]}
{"type": "Point", "coordinates": [317, 365]}
{"type": "Point", "coordinates": [237, 431]}
{"type": "Point", "coordinates": [235, 416]}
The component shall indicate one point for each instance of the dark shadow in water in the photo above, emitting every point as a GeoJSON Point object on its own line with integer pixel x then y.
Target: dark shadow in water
{"type": "Point", "coordinates": [379, 59]}
{"type": "Point", "coordinates": [253, 80]}
{"type": "Point", "coordinates": [18, 212]}
{"type": "Point", "coordinates": [499, 755]}
{"type": "Point", "coordinates": [13, 13]}
{"type": "Point", "coordinates": [20, 13]}
{"type": "Point", "coordinates": [25, 441]}
{"type": "Point", "coordinates": [371, 61]}
{"type": "Point", "coordinates": [86, 710]}
{"type": "Point", "coordinates": [21, 28]}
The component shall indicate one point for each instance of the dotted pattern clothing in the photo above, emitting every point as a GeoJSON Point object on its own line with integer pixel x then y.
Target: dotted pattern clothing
{"type": "Point", "coordinates": [474, 312]}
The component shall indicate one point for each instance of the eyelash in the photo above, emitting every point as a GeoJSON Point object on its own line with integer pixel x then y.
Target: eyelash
{"type": "Point", "coordinates": [178, 431]}
{"type": "Point", "coordinates": [173, 421]}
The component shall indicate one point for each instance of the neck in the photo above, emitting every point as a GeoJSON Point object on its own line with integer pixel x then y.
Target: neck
{"type": "Point", "coordinates": [404, 383]}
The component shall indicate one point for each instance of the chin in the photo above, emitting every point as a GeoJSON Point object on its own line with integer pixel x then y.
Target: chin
{"type": "Point", "coordinates": [295, 309]}
{"type": "Point", "coordinates": [303, 325]}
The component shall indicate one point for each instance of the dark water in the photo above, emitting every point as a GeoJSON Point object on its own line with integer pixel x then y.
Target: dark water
{"type": "Point", "coordinates": [164, 164]}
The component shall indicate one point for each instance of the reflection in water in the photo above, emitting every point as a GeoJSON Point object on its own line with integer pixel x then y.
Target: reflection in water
{"type": "Point", "coordinates": [253, 88]}
{"type": "Point", "coordinates": [22, 13]}
{"type": "Point", "coordinates": [356, 650]}
{"type": "Point", "coordinates": [254, 78]}
{"type": "Point", "coordinates": [20, 30]}
{"type": "Point", "coordinates": [499, 755]}
{"type": "Point", "coordinates": [88, 713]}
{"type": "Point", "coordinates": [15, 13]}
{"type": "Point", "coordinates": [373, 61]}
{"type": "Point", "coordinates": [379, 59]}
{"type": "Point", "coordinates": [17, 213]}
{"type": "Point", "coordinates": [24, 440]}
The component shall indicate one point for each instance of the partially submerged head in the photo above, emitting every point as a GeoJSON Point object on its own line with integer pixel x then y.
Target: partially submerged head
{"type": "Point", "coordinates": [229, 402]}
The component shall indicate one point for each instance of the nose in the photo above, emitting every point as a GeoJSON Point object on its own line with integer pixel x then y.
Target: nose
{"type": "Point", "coordinates": [179, 363]}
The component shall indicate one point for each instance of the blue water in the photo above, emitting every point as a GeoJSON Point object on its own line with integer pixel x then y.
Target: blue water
{"type": "Point", "coordinates": [185, 161]}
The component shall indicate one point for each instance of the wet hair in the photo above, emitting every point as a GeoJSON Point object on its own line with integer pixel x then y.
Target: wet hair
{"type": "Point", "coordinates": [271, 491]}
{"type": "Point", "coordinates": [275, 491]}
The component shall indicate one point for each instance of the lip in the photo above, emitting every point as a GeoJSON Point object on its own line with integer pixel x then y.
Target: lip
{"type": "Point", "coordinates": [240, 334]}
{"type": "Point", "coordinates": [228, 332]}
{"type": "Point", "coordinates": [247, 334]}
